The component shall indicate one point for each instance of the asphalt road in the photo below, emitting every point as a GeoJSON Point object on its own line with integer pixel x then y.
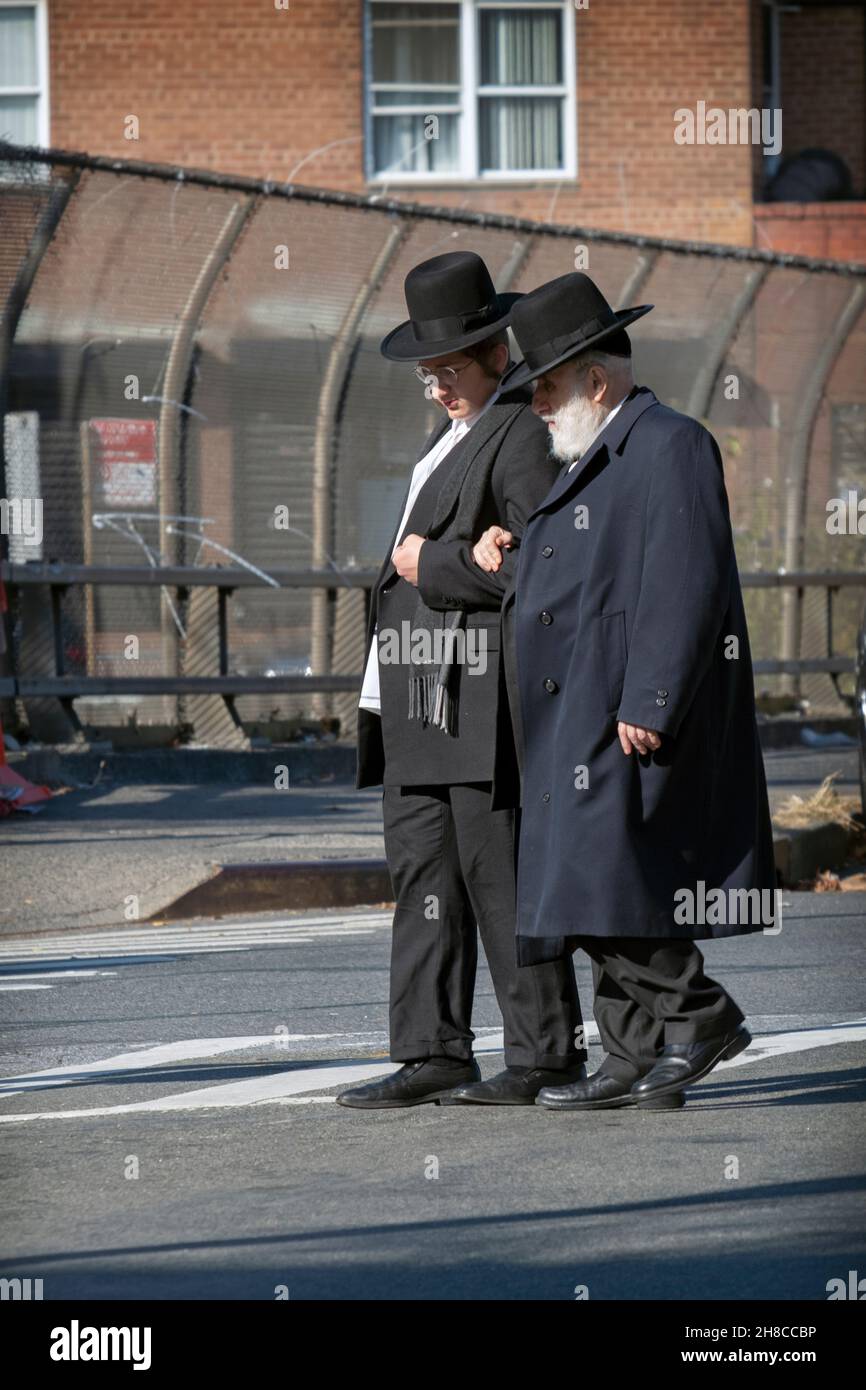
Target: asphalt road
{"type": "Point", "coordinates": [108, 842]}
{"type": "Point", "coordinates": [182, 1141]}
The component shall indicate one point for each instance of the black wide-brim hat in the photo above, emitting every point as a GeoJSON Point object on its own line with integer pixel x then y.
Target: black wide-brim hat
{"type": "Point", "coordinates": [560, 319]}
{"type": "Point", "coordinates": [452, 304]}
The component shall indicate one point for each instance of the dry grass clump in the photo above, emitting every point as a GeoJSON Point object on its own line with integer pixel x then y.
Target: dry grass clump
{"type": "Point", "coordinates": [823, 805]}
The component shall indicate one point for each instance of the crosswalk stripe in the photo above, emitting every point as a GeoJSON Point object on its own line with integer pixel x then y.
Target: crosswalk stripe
{"type": "Point", "coordinates": [288, 1087]}
{"type": "Point", "coordinates": [54, 974]}
{"type": "Point", "coordinates": [255, 1091]}
{"type": "Point", "coordinates": [74, 945]}
{"type": "Point", "coordinates": [162, 1055]}
{"type": "Point", "coordinates": [7, 989]}
{"type": "Point", "coordinates": [177, 946]}
{"type": "Point", "coordinates": [799, 1041]}
{"type": "Point", "coordinates": [185, 1050]}
{"type": "Point", "coordinates": [302, 921]}
{"type": "Point", "coordinates": [186, 934]}
{"type": "Point", "coordinates": [166, 950]}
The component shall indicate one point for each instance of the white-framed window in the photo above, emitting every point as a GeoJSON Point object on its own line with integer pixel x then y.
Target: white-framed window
{"type": "Point", "coordinates": [459, 90]}
{"type": "Point", "coordinates": [24, 72]}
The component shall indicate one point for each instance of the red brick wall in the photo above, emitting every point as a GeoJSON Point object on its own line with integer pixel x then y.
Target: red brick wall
{"type": "Point", "coordinates": [832, 231]}
{"type": "Point", "coordinates": [237, 86]}
{"type": "Point", "coordinates": [230, 85]}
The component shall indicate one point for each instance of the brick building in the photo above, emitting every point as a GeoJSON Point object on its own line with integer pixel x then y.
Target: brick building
{"type": "Point", "coordinates": [550, 109]}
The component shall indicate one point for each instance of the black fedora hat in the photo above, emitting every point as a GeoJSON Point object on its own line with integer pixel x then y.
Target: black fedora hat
{"type": "Point", "coordinates": [560, 319]}
{"type": "Point", "coordinates": [452, 304]}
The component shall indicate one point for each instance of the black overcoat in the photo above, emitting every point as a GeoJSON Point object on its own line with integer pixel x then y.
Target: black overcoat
{"type": "Point", "coordinates": [626, 605]}
{"type": "Point", "coordinates": [392, 748]}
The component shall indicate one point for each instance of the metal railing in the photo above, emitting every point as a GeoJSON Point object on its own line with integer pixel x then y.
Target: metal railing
{"type": "Point", "coordinates": [66, 687]}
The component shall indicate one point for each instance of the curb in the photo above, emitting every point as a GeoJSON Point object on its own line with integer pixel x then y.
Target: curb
{"type": "Point", "coordinates": [307, 762]}
{"type": "Point", "coordinates": [187, 766]}
{"type": "Point", "coordinates": [801, 854]}
{"type": "Point", "coordinates": [282, 887]}
{"type": "Point", "coordinates": [782, 731]}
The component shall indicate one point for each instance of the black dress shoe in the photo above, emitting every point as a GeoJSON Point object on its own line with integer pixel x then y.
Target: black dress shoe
{"type": "Point", "coordinates": [682, 1064]}
{"type": "Point", "coordinates": [514, 1086]}
{"type": "Point", "coordinates": [602, 1092]}
{"type": "Point", "coordinates": [417, 1083]}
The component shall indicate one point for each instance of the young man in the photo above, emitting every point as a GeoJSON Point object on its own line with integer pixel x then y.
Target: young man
{"type": "Point", "coordinates": [644, 800]}
{"type": "Point", "coordinates": [434, 719]}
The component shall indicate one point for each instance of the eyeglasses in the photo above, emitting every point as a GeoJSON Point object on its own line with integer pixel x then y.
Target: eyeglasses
{"type": "Point", "coordinates": [443, 376]}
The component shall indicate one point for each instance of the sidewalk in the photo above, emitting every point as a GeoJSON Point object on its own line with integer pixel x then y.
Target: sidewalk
{"type": "Point", "coordinates": [89, 850]}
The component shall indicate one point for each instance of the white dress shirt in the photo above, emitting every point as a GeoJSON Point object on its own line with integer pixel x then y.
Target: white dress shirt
{"type": "Point", "coordinates": [607, 421]}
{"type": "Point", "coordinates": [370, 698]}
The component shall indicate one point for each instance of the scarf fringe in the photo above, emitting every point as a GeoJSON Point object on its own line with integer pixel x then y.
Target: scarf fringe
{"type": "Point", "coordinates": [431, 702]}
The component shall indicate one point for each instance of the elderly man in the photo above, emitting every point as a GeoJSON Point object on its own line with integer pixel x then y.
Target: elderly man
{"type": "Point", "coordinates": [645, 823]}
{"type": "Point", "coordinates": [434, 717]}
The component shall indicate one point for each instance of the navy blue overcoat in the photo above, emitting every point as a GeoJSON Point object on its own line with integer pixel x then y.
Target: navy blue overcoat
{"type": "Point", "coordinates": [626, 605]}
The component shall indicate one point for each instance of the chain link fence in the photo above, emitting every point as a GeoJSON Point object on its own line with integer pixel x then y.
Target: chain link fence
{"type": "Point", "coordinates": [191, 376]}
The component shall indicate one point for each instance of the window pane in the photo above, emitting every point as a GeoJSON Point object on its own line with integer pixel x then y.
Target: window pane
{"type": "Point", "coordinates": [521, 132]}
{"type": "Point", "coordinates": [18, 46]}
{"type": "Point", "coordinates": [520, 49]}
{"type": "Point", "coordinates": [429, 100]}
{"type": "Point", "coordinates": [400, 145]}
{"type": "Point", "coordinates": [416, 43]}
{"type": "Point", "coordinates": [18, 120]}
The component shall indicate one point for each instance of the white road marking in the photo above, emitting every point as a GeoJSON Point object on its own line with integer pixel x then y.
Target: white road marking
{"type": "Point", "coordinates": [159, 939]}
{"type": "Point", "coordinates": [800, 1040]}
{"type": "Point", "coordinates": [54, 974]}
{"type": "Point", "coordinates": [373, 919]}
{"type": "Point", "coordinates": [288, 1087]}
{"type": "Point", "coordinates": [7, 989]}
{"type": "Point", "coordinates": [255, 1091]}
{"type": "Point", "coordinates": [128, 943]}
{"type": "Point", "coordinates": [188, 1049]}
{"type": "Point", "coordinates": [16, 981]}
{"type": "Point", "coordinates": [99, 959]}
{"type": "Point", "coordinates": [145, 934]}
{"type": "Point", "coordinates": [163, 1055]}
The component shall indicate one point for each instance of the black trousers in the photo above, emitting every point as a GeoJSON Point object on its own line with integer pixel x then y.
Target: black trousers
{"type": "Point", "coordinates": [451, 861]}
{"type": "Point", "coordinates": [648, 993]}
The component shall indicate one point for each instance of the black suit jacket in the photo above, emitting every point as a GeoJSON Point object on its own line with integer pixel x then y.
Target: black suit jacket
{"type": "Point", "coordinates": [392, 748]}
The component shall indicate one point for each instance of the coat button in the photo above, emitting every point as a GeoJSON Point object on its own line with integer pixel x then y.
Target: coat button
{"type": "Point", "coordinates": [550, 686]}
{"type": "Point", "coordinates": [546, 618]}
{"type": "Point", "coordinates": [661, 692]}
{"type": "Point", "coordinates": [546, 796]}
{"type": "Point", "coordinates": [547, 552]}
{"type": "Point", "coordinates": [661, 702]}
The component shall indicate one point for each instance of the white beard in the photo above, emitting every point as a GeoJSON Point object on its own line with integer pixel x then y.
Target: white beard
{"type": "Point", "coordinates": [575, 426]}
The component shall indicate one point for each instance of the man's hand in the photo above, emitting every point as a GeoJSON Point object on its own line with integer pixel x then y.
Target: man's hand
{"type": "Point", "coordinates": [487, 552]}
{"type": "Point", "coordinates": [635, 739]}
{"type": "Point", "coordinates": [406, 558]}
